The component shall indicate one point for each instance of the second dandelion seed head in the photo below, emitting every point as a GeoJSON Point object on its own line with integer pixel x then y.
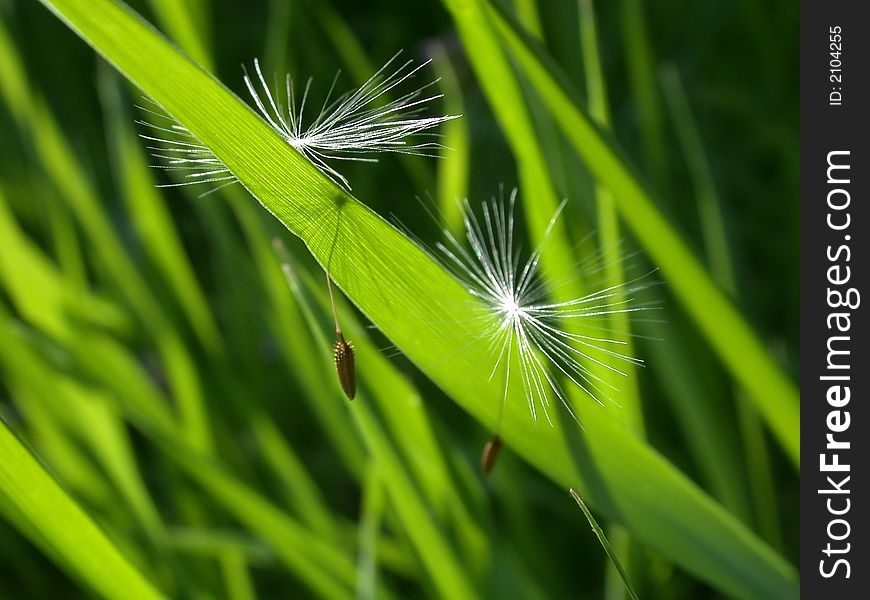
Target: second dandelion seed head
{"type": "Point", "coordinates": [545, 341]}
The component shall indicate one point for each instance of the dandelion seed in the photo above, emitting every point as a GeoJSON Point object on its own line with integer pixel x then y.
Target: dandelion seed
{"type": "Point", "coordinates": [342, 352]}
{"type": "Point", "coordinates": [490, 454]}
{"type": "Point", "coordinates": [354, 126]}
{"type": "Point", "coordinates": [519, 320]}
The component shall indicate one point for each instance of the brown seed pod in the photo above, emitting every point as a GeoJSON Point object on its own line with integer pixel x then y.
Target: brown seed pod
{"type": "Point", "coordinates": [342, 352]}
{"type": "Point", "coordinates": [490, 454]}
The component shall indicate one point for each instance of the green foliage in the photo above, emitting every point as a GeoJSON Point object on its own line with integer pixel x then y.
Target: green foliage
{"type": "Point", "coordinates": [168, 356]}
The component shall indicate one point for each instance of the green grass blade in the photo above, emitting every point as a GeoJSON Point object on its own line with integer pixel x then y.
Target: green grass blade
{"type": "Point", "coordinates": [527, 14]}
{"type": "Point", "coordinates": [33, 501]}
{"type": "Point", "coordinates": [713, 447]}
{"type": "Point", "coordinates": [63, 169]}
{"type": "Point", "coordinates": [406, 419]}
{"type": "Point", "coordinates": [315, 561]}
{"type": "Point", "coordinates": [298, 485]}
{"type": "Point", "coordinates": [611, 554]}
{"type": "Point", "coordinates": [610, 244]}
{"type": "Point", "coordinates": [73, 467]}
{"type": "Point", "coordinates": [371, 516]}
{"type": "Point", "coordinates": [237, 579]}
{"type": "Point", "coordinates": [177, 16]}
{"type": "Point", "coordinates": [505, 96]}
{"type": "Point", "coordinates": [288, 324]}
{"type": "Point", "coordinates": [33, 285]}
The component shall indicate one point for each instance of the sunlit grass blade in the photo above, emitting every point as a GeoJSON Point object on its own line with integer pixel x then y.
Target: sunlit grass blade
{"type": "Point", "coordinates": [33, 501]}
{"type": "Point", "coordinates": [609, 234]}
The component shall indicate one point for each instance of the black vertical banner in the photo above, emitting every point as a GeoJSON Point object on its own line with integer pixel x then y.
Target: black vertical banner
{"type": "Point", "coordinates": [835, 224]}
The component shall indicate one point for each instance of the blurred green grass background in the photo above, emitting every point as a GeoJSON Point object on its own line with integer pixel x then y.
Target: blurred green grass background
{"type": "Point", "coordinates": [116, 295]}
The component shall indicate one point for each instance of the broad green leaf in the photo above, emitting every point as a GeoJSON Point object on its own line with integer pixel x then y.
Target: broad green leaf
{"type": "Point", "coordinates": [427, 314]}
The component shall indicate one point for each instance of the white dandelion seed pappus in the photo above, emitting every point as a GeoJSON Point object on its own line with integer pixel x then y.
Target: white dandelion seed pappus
{"type": "Point", "coordinates": [352, 127]}
{"type": "Point", "coordinates": [519, 318]}
{"type": "Point", "coordinates": [356, 124]}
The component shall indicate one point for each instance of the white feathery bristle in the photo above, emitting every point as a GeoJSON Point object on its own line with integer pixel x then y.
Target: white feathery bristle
{"type": "Point", "coordinates": [179, 150]}
{"type": "Point", "coordinates": [545, 335]}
